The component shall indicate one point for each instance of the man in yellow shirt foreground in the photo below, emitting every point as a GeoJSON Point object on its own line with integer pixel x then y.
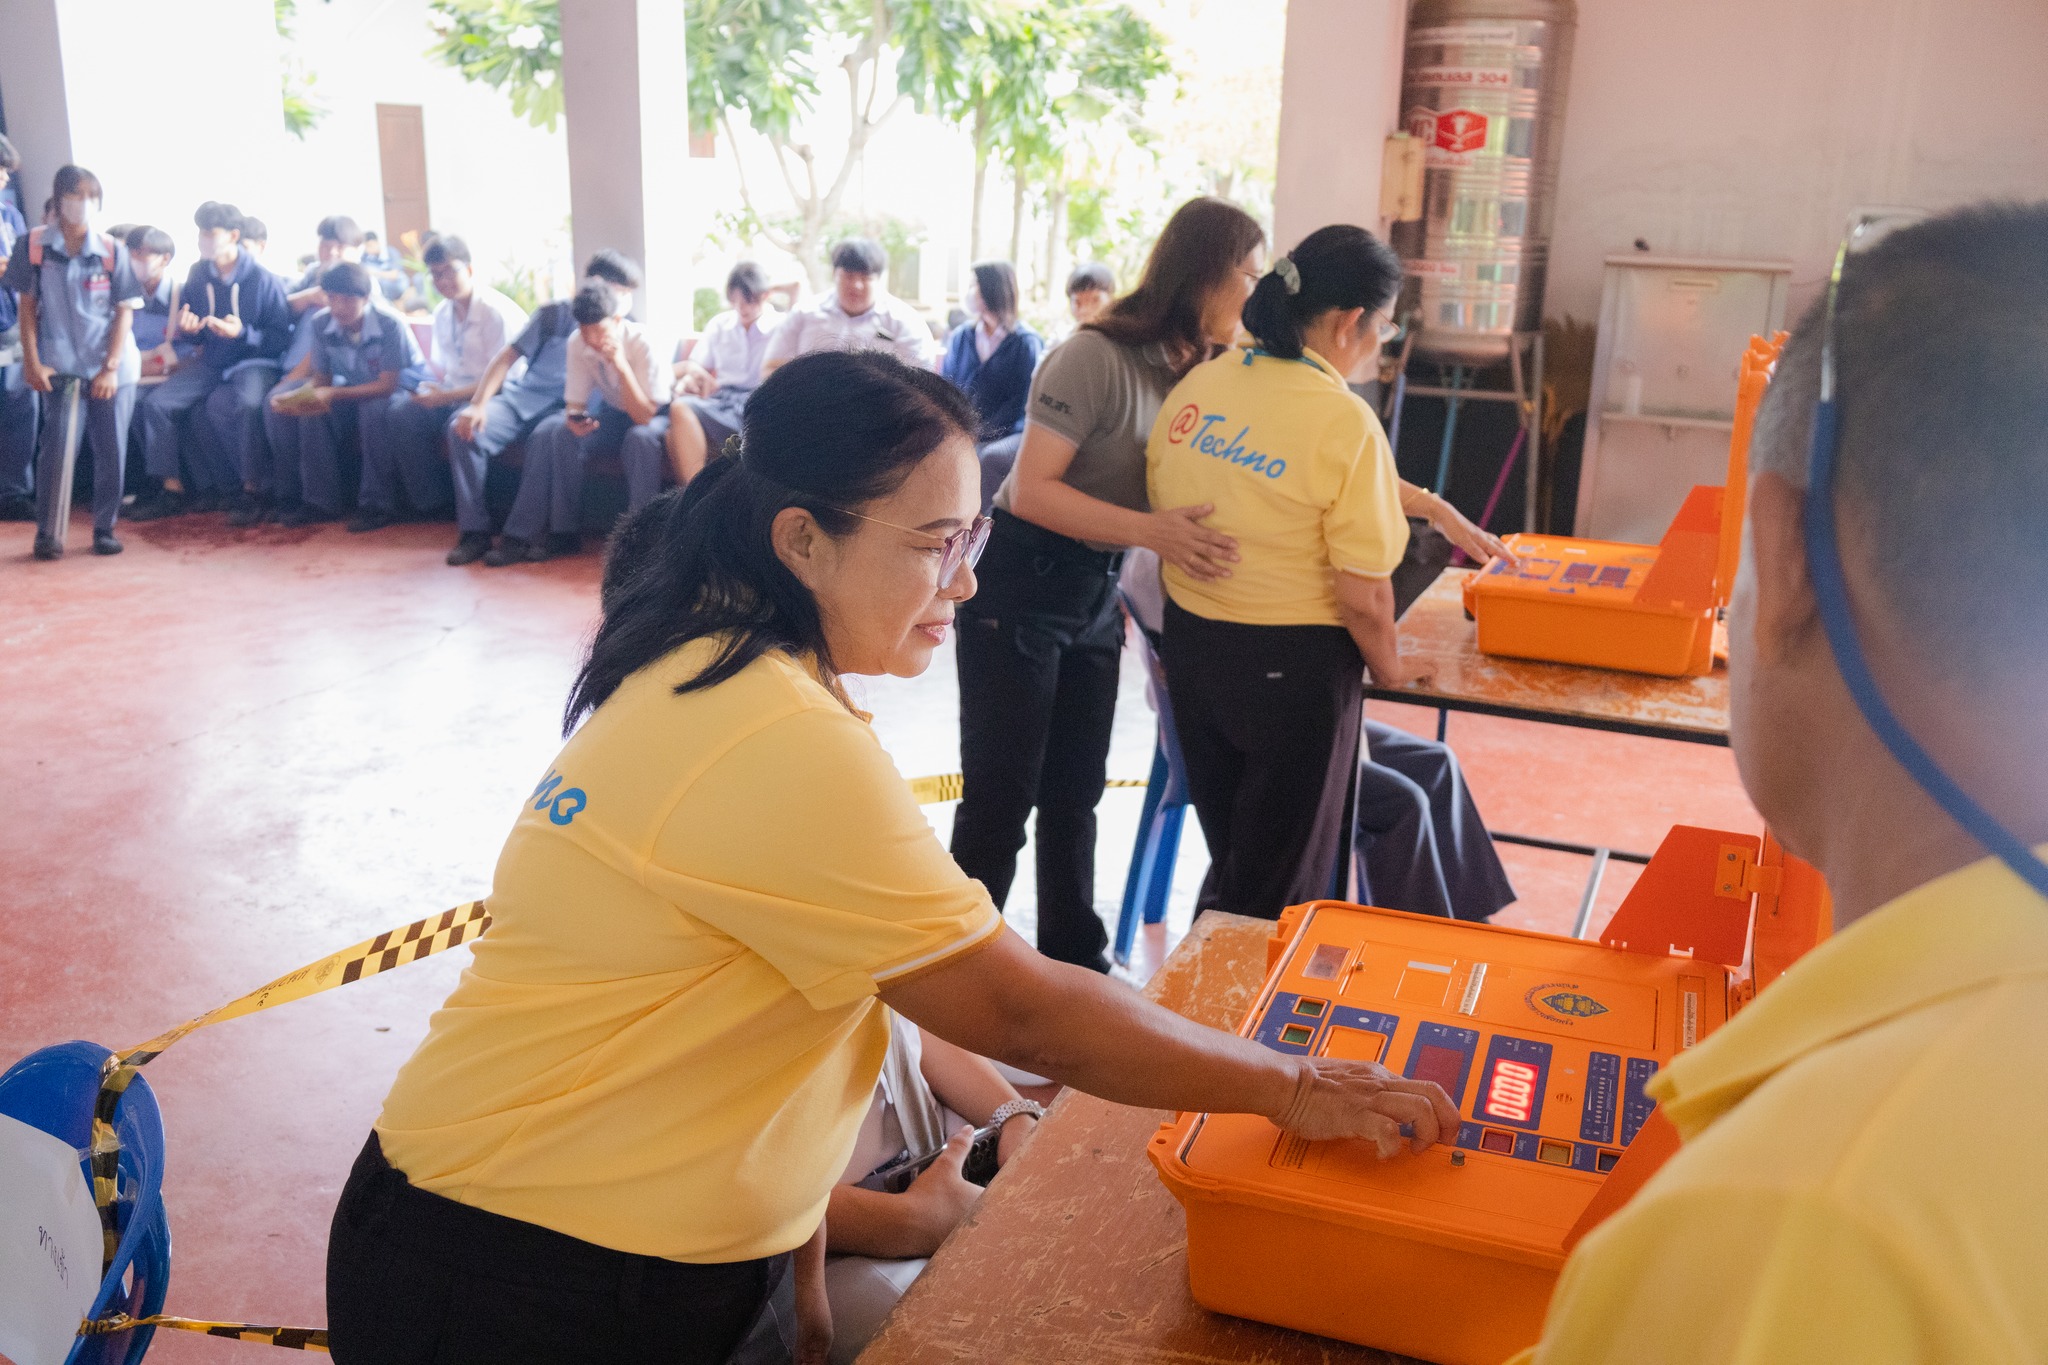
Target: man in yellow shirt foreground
{"type": "Point", "coordinates": [1864, 1175]}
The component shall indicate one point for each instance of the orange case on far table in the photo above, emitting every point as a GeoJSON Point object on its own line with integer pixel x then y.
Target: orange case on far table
{"type": "Point", "coordinates": [1544, 1043]}
{"type": "Point", "coordinates": [1640, 608]}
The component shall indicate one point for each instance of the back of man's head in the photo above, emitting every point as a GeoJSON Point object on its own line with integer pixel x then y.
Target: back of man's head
{"type": "Point", "coordinates": [346, 277]}
{"type": "Point", "coordinates": [592, 305]}
{"type": "Point", "coordinates": [615, 266]}
{"type": "Point", "coordinates": [1941, 365]}
{"type": "Point", "coordinates": [340, 229]}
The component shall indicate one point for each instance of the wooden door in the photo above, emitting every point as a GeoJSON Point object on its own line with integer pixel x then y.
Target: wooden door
{"type": "Point", "coordinates": [402, 152]}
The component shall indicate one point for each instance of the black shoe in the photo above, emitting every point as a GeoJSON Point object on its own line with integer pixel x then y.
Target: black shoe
{"type": "Point", "coordinates": [103, 543]}
{"type": "Point", "coordinates": [303, 514]}
{"type": "Point", "coordinates": [369, 519]}
{"type": "Point", "coordinates": [209, 501]}
{"type": "Point", "coordinates": [472, 546]}
{"type": "Point", "coordinates": [248, 510]}
{"type": "Point", "coordinates": [513, 550]}
{"type": "Point", "coordinates": [564, 543]}
{"type": "Point", "coordinates": [47, 548]}
{"type": "Point", "coordinates": [158, 506]}
{"type": "Point", "coordinates": [17, 507]}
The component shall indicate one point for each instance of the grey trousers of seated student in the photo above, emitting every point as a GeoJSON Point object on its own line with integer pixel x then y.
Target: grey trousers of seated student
{"type": "Point", "coordinates": [19, 407]}
{"type": "Point", "coordinates": [311, 452]}
{"type": "Point", "coordinates": [644, 454]}
{"type": "Point", "coordinates": [207, 422]}
{"type": "Point", "coordinates": [1421, 843]}
{"type": "Point", "coordinates": [506, 423]}
{"type": "Point", "coordinates": [404, 447]}
{"type": "Point", "coordinates": [862, 1289]}
{"type": "Point", "coordinates": [551, 484]}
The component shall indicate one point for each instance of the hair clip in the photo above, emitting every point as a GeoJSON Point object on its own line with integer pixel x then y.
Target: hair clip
{"type": "Point", "coordinates": [1289, 275]}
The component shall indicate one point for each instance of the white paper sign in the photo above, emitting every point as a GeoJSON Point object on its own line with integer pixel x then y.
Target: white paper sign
{"type": "Point", "coordinates": [49, 1245]}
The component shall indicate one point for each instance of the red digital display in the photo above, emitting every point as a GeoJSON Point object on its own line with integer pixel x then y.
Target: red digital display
{"type": "Point", "coordinates": [1511, 1090]}
{"type": "Point", "coordinates": [1444, 1065]}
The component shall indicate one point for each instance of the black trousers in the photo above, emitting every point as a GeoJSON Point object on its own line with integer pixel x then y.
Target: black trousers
{"type": "Point", "coordinates": [415, 1279]}
{"type": "Point", "coordinates": [1268, 721]}
{"type": "Point", "coordinates": [1038, 652]}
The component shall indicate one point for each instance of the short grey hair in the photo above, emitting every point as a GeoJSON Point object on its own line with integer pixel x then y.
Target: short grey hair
{"type": "Point", "coordinates": [1941, 372]}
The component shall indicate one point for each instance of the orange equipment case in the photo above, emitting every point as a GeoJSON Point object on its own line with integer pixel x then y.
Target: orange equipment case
{"type": "Point", "coordinates": [1642, 608]}
{"type": "Point", "coordinates": [1543, 1042]}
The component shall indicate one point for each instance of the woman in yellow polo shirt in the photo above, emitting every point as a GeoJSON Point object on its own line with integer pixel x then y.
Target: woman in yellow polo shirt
{"type": "Point", "coordinates": [1265, 666]}
{"type": "Point", "coordinates": [633, 1107]}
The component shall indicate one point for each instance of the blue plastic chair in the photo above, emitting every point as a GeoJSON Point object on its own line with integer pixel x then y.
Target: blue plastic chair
{"type": "Point", "coordinates": [53, 1089]}
{"type": "Point", "coordinates": [1150, 881]}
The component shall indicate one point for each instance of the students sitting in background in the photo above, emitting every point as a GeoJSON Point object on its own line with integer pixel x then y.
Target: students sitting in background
{"type": "Point", "coordinates": [1089, 290]}
{"type": "Point", "coordinates": [930, 1097]}
{"type": "Point", "coordinates": [713, 384]}
{"type": "Point", "coordinates": [506, 408]}
{"type": "Point", "coordinates": [860, 314]}
{"type": "Point", "coordinates": [328, 405]}
{"type": "Point", "coordinates": [1811, 1214]}
{"type": "Point", "coordinates": [384, 268]}
{"type": "Point", "coordinates": [471, 325]}
{"type": "Point", "coordinates": [19, 404]}
{"type": "Point", "coordinates": [78, 297]}
{"type": "Point", "coordinates": [616, 386]}
{"type": "Point", "coordinates": [150, 251]}
{"type": "Point", "coordinates": [991, 358]}
{"type": "Point", "coordinates": [206, 419]}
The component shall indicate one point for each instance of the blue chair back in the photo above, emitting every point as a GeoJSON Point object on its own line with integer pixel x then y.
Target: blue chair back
{"type": "Point", "coordinates": [53, 1089]}
{"type": "Point", "coordinates": [1149, 882]}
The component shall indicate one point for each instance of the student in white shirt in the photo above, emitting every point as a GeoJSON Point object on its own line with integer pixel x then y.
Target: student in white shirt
{"type": "Point", "coordinates": [471, 325]}
{"type": "Point", "coordinates": [858, 315]}
{"type": "Point", "coordinates": [713, 384]}
{"type": "Point", "coordinates": [615, 388]}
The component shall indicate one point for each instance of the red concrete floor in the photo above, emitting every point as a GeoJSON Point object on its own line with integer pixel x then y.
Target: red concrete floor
{"type": "Point", "coordinates": [234, 752]}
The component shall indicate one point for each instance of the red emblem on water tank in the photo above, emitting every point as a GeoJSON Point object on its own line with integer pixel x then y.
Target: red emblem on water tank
{"type": "Point", "coordinates": [1460, 130]}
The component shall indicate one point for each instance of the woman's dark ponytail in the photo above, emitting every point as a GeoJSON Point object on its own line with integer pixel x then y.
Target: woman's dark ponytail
{"type": "Point", "coordinates": [828, 433]}
{"type": "Point", "coordinates": [1338, 267]}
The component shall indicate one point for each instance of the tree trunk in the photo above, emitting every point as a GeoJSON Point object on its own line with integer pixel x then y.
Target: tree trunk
{"type": "Point", "coordinates": [1016, 215]}
{"type": "Point", "coordinates": [1055, 224]}
{"type": "Point", "coordinates": [980, 180]}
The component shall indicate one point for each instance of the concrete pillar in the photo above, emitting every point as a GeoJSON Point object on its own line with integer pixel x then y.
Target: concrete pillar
{"type": "Point", "coordinates": [1340, 95]}
{"type": "Point", "coordinates": [104, 83]}
{"type": "Point", "coordinates": [626, 107]}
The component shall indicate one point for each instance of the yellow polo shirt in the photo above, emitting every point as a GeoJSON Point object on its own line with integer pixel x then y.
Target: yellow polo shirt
{"type": "Point", "coordinates": [1299, 473]}
{"type": "Point", "coordinates": [1865, 1170]}
{"type": "Point", "coordinates": [667, 1039]}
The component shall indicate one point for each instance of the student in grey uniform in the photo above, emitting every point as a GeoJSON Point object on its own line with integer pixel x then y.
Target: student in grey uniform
{"type": "Point", "coordinates": [616, 387]}
{"type": "Point", "coordinates": [471, 326]}
{"type": "Point", "coordinates": [19, 404]}
{"type": "Point", "coordinates": [1039, 643]}
{"type": "Point", "coordinates": [205, 421]}
{"type": "Point", "coordinates": [506, 408]}
{"type": "Point", "coordinates": [327, 405]}
{"type": "Point", "coordinates": [78, 298]}
{"type": "Point", "coordinates": [713, 385]}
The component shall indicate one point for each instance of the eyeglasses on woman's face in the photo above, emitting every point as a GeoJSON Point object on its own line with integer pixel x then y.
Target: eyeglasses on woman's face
{"type": "Point", "coordinates": [964, 546]}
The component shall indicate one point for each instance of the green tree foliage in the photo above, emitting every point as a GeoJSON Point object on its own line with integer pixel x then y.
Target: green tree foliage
{"type": "Point", "coordinates": [302, 113]}
{"type": "Point", "coordinates": [510, 45]}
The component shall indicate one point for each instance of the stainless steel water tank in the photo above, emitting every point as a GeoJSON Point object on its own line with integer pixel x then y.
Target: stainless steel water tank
{"type": "Point", "coordinates": [1484, 90]}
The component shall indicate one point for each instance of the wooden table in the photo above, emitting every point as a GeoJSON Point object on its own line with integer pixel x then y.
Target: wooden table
{"type": "Point", "coordinates": [1694, 710]}
{"type": "Point", "coordinates": [1077, 1253]}
{"type": "Point", "coordinates": [1691, 710]}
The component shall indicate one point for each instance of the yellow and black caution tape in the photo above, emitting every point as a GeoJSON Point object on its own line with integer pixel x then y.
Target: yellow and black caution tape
{"type": "Point", "coordinates": [392, 948]}
{"type": "Point", "coordinates": [930, 791]}
{"type": "Point", "coordinates": [291, 1338]}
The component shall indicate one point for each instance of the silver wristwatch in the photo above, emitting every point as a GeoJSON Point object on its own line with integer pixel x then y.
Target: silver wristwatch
{"type": "Point", "coordinates": [1011, 1109]}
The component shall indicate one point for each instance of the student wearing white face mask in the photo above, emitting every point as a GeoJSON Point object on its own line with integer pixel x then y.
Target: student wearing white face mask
{"type": "Point", "coordinates": [205, 422]}
{"type": "Point", "coordinates": [77, 300]}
